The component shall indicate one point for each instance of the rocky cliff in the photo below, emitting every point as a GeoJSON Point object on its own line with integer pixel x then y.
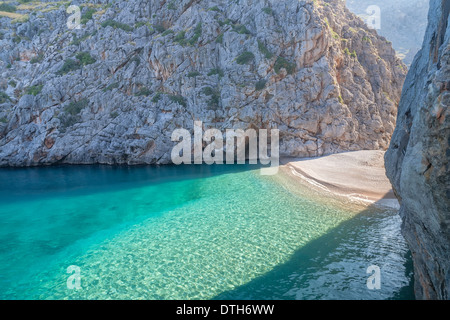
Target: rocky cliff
{"type": "Point", "coordinates": [113, 91]}
{"type": "Point", "coordinates": [417, 161]}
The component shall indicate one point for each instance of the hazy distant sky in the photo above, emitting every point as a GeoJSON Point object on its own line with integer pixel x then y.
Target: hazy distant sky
{"type": "Point", "coordinates": [403, 22]}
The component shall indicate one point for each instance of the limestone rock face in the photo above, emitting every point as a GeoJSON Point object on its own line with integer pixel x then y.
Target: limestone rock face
{"type": "Point", "coordinates": [113, 91]}
{"type": "Point", "coordinates": [417, 161]}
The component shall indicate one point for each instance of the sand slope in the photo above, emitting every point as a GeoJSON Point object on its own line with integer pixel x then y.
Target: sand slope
{"type": "Point", "coordinates": [359, 174]}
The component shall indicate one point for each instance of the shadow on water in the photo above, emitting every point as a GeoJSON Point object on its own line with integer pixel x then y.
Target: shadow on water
{"type": "Point", "coordinates": [88, 179]}
{"type": "Point", "coordinates": [334, 266]}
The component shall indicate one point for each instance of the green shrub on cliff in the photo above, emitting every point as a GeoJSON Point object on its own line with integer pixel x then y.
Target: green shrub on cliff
{"type": "Point", "coordinates": [4, 97]}
{"type": "Point", "coordinates": [116, 25]}
{"type": "Point", "coordinates": [283, 63]}
{"type": "Point", "coordinates": [68, 66]}
{"type": "Point", "coordinates": [178, 99]}
{"type": "Point", "coordinates": [7, 7]}
{"type": "Point", "coordinates": [85, 58]}
{"type": "Point", "coordinates": [263, 49]}
{"type": "Point", "coordinates": [157, 97]}
{"type": "Point", "coordinates": [215, 71]}
{"type": "Point", "coordinates": [197, 34]}
{"type": "Point", "coordinates": [245, 58]}
{"type": "Point", "coordinates": [75, 108]}
{"type": "Point", "coordinates": [34, 90]}
{"type": "Point", "coordinates": [193, 74]}
{"type": "Point", "coordinates": [87, 15]}
{"type": "Point", "coordinates": [241, 29]}
{"type": "Point", "coordinates": [261, 84]}
{"type": "Point", "coordinates": [143, 92]}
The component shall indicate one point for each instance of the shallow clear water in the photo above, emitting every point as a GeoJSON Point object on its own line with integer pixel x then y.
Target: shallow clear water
{"type": "Point", "coordinates": [193, 232]}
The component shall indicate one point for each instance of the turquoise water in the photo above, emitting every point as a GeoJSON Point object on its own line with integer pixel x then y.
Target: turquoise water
{"type": "Point", "coordinates": [192, 232]}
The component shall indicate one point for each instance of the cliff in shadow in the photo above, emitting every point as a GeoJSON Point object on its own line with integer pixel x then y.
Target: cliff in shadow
{"type": "Point", "coordinates": [417, 162]}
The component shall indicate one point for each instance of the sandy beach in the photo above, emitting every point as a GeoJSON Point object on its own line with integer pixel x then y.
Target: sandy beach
{"type": "Point", "coordinates": [359, 175]}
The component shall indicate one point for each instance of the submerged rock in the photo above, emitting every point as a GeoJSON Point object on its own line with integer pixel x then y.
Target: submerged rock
{"type": "Point", "coordinates": [417, 161]}
{"type": "Point", "coordinates": [113, 91]}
